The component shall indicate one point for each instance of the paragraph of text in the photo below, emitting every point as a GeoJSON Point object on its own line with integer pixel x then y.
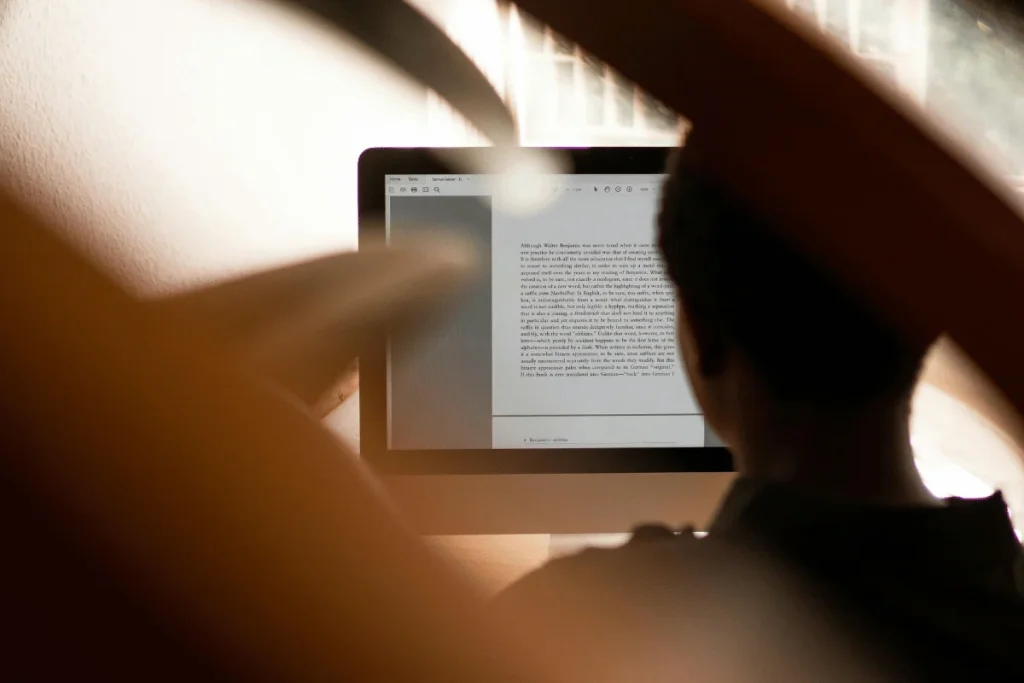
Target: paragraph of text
{"type": "Point", "coordinates": [595, 310]}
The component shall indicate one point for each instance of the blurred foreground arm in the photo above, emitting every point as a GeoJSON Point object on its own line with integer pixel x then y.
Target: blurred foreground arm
{"type": "Point", "coordinates": [191, 492]}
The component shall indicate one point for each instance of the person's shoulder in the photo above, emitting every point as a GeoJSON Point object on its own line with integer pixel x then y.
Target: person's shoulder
{"type": "Point", "coordinates": [664, 601]}
{"type": "Point", "coordinates": [651, 559]}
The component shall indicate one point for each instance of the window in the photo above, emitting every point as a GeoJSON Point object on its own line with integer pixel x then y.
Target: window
{"type": "Point", "coordinates": [890, 35]}
{"type": "Point", "coordinates": [562, 95]}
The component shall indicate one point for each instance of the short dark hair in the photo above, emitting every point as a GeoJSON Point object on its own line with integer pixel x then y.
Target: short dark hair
{"type": "Point", "coordinates": [802, 331]}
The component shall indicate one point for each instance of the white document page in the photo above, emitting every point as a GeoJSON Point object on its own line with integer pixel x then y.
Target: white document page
{"type": "Point", "coordinates": [584, 344]}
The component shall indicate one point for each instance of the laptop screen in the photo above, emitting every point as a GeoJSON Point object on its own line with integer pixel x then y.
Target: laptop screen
{"type": "Point", "coordinates": [567, 339]}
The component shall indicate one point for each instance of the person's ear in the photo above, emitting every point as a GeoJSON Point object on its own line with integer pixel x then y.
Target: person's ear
{"type": "Point", "coordinates": [701, 342]}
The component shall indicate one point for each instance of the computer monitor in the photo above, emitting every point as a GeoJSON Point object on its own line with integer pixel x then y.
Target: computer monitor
{"type": "Point", "coordinates": [549, 397]}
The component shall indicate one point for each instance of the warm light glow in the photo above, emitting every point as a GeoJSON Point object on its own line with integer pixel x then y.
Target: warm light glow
{"type": "Point", "coordinates": [959, 453]}
{"type": "Point", "coordinates": [943, 477]}
{"type": "Point", "coordinates": [521, 186]}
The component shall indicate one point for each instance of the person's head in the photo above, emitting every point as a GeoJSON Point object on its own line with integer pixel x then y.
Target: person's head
{"type": "Point", "coordinates": [763, 328]}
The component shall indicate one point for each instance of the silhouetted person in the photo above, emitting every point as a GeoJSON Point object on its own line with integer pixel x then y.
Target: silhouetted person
{"type": "Point", "coordinates": [811, 392]}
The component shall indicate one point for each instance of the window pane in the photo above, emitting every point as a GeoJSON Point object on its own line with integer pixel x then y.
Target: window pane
{"type": "Point", "coordinates": [585, 102]}
{"type": "Point", "coordinates": [593, 89]}
{"type": "Point", "coordinates": [625, 107]}
{"type": "Point", "coordinates": [837, 19]}
{"type": "Point", "coordinates": [565, 83]}
{"type": "Point", "coordinates": [876, 26]}
{"type": "Point", "coordinates": [539, 104]}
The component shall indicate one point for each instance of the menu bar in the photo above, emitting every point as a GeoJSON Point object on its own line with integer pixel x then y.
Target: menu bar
{"type": "Point", "coordinates": [482, 185]}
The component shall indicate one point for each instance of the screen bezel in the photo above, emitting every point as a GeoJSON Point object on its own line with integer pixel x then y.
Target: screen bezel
{"type": "Point", "coordinates": [374, 165]}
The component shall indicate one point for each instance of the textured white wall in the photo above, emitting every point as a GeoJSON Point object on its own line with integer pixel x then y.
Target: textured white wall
{"type": "Point", "coordinates": [183, 140]}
